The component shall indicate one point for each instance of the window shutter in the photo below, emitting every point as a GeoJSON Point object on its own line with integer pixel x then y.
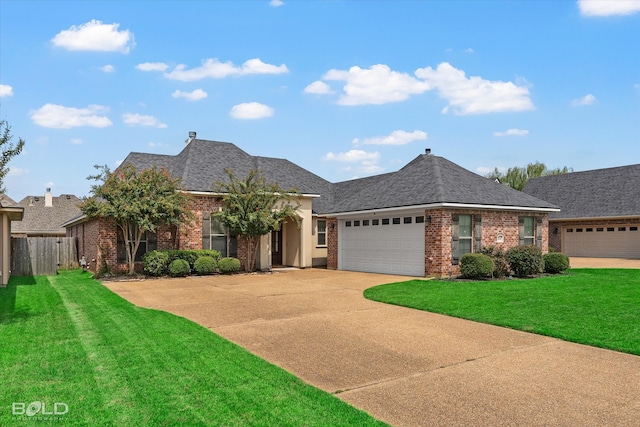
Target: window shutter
{"type": "Point", "coordinates": [152, 241]}
{"type": "Point", "coordinates": [521, 230]}
{"type": "Point", "coordinates": [539, 232]}
{"type": "Point", "coordinates": [455, 236]}
{"type": "Point", "coordinates": [206, 230]}
{"type": "Point", "coordinates": [477, 219]}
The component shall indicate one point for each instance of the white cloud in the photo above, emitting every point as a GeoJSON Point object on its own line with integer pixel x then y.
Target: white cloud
{"type": "Point", "coordinates": [397, 137]}
{"type": "Point", "coordinates": [319, 88]}
{"type": "Point", "coordinates": [276, 3]}
{"type": "Point", "coordinates": [60, 117]}
{"type": "Point", "coordinates": [353, 156]}
{"type": "Point", "coordinates": [251, 110]}
{"type": "Point", "coordinates": [214, 69]}
{"type": "Point", "coordinates": [484, 170]}
{"type": "Point", "coordinates": [76, 141]}
{"type": "Point", "coordinates": [376, 85]}
{"type": "Point", "coordinates": [135, 119]}
{"type": "Point", "coordinates": [512, 132]}
{"type": "Point", "coordinates": [585, 100]}
{"type": "Point", "coordinates": [5, 90]}
{"type": "Point", "coordinates": [156, 144]}
{"type": "Point", "coordinates": [474, 95]}
{"type": "Point", "coordinates": [608, 7]}
{"type": "Point", "coordinates": [195, 95]}
{"type": "Point", "coordinates": [49, 184]}
{"type": "Point", "coordinates": [152, 66]}
{"type": "Point", "coordinates": [15, 171]}
{"type": "Point", "coordinates": [95, 36]}
{"type": "Point", "coordinates": [108, 68]}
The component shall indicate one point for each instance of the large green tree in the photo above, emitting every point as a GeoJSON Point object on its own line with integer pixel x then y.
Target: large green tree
{"type": "Point", "coordinates": [516, 177]}
{"type": "Point", "coordinates": [138, 201]}
{"type": "Point", "coordinates": [254, 208]}
{"type": "Point", "coordinates": [8, 150]}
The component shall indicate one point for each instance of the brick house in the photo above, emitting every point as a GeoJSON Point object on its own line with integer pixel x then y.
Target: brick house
{"type": "Point", "coordinates": [600, 214]}
{"type": "Point", "coordinates": [417, 221]}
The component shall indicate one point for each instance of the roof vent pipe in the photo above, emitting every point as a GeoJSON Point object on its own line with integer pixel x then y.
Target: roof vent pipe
{"type": "Point", "coordinates": [192, 136]}
{"type": "Point", "coordinates": [427, 151]}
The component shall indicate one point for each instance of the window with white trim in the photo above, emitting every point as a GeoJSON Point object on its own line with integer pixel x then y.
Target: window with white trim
{"type": "Point", "coordinates": [322, 232]}
{"type": "Point", "coordinates": [529, 236]}
{"type": "Point", "coordinates": [465, 235]}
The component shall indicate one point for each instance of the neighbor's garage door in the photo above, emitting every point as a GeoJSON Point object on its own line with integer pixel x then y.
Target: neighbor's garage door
{"type": "Point", "coordinates": [611, 241]}
{"type": "Point", "coordinates": [393, 245]}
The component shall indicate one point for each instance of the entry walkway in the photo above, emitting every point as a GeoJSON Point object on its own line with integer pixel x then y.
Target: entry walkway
{"type": "Point", "coordinates": [404, 366]}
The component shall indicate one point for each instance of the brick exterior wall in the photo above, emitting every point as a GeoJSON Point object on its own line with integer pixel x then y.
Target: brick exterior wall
{"type": "Point", "coordinates": [438, 236]}
{"type": "Point", "coordinates": [555, 238]}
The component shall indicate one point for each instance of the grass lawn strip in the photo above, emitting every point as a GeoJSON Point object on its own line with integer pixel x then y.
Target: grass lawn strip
{"type": "Point", "coordinates": [69, 339]}
{"type": "Point", "coordinates": [597, 307]}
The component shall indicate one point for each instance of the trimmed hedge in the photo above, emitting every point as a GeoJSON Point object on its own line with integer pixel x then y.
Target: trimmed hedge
{"type": "Point", "coordinates": [205, 265]}
{"type": "Point", "coordinates": [555, 262]}
{"type": "Point", "coordinates": [156, 263]}
{"type": "Point", "coordinates": [525, 260]}
{"type": "Point", "coordinates": [179, 268]}
{"type": "Point", "coordinates": [229, 265]}
{"type": "Point", "coordinates": [475, 266]}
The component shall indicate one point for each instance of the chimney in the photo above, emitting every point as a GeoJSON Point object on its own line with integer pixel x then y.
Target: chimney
{"type": "Point", "coordinates": [48, 199]}
{"type": "Point", "coordinates": [192, 136]}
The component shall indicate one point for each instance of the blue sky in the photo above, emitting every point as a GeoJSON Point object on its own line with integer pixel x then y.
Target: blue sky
{"type": "Point", "coordinates": [342, 88]}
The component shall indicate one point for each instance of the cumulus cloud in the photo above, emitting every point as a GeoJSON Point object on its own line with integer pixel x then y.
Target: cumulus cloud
{"type": "Point", "coordinates": [49, 184]}
{"type": "Point", "coordinates": [16, 171]}
{"type": "Point", "coordinates": [5, 90]}
{"type": "Point", "coordinates": [276, 3]}
{"type": "Point", "coordinates": [397, 137]}
{"type": "Point", "coordinates": [212, 68]}
{"type": "Point", "coordinates": [475, 95]}
{"type": "Point", "coordinates": [135, 119]}
{"type": "Point", "coordinates": [76, 141]}
{"type": "Point", "coordinates": [319, 88]}
{"type": "Point", "coordinates": [108, 68]}
{"type": "Point", "coordinates": [485, 170]}
{"type": "Point", "coordinates": [368, 162]}
{"type": "Point", "coordinates": [195, 95]}
{"type": "Point", "coordinates": [585, 100]}
{"type": "Point", "coordinates": [152, 66]}
{"type": "Point", "coordinates": [376, 85]}
{"type": "Point", "coordinates": [95, 36]}
{"type": "Point", "coordinates": [251, 110]}
{"type": "Point", "coordinates": [60, 117]}
{"type": "Point", "coordinates": [512, 132]}
{"type": "Point", "coordinates": [608, 7]}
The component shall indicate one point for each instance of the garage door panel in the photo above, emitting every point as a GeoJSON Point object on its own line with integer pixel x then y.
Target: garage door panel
{"type": "Point", "coordinates": [611, 241]}
{"type": "Point", "coordinates": [389, 248]}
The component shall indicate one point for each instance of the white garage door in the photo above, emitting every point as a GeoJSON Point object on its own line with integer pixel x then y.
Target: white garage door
{"type": "Point", "coordinates": [610, 241]}
{"type": "Point", "coordinates": [393, 245]}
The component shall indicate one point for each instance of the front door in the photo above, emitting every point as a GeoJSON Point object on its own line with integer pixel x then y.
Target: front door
{"type": "Point", "coordinates": [276, 248]}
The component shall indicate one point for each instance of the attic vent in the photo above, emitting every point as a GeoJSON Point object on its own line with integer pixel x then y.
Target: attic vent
{"type": "Point", "coordinates": [68, 197]}
{"type": "Point", "coordinates": [192, 136]}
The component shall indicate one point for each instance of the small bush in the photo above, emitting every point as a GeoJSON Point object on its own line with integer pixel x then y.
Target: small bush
{"type": "Point", "coordinates": [205, 265]}
{"type": "Point", "coordinates": [555, 262]}
{"type": "Point", "coordinates": [475, 266]}
{"type": "Point", "coordinates": [156, 263]}
{"type": "Point", "coordinates": [525, 260]}
{"type": "Point", "coordinates": [229, 265]}
{"type": "Point", "coordinates": [179, 268]}
{"type": "Point", "coordinates": [500, 264]}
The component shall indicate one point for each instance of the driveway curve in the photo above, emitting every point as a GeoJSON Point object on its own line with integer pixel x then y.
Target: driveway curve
{"type": "Point", "coordinates": [403, 366]}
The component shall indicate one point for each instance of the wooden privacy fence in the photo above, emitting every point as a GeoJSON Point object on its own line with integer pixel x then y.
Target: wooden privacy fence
{"type": "Point", "coordinates": [42, 256]}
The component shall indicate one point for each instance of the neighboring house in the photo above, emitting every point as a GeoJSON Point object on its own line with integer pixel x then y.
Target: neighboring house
{"type": "Point", "coordinates": [417, 221]}
{"type": "Point", "coordinates": [8, 215]}
{"type": "Point", "coordinates": [600, 214]}
{"type": "Point", "coordinates": [44, 216]}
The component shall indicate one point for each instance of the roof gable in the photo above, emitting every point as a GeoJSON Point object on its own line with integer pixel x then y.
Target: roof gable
{"type": "Point", "coordinates": [610, 192]}
{"type": "Point", "coordinates": [38, 218]}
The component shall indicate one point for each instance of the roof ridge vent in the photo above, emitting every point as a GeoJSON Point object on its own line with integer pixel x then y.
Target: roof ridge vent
{"type": "Point", "coordinates": [192, 136]}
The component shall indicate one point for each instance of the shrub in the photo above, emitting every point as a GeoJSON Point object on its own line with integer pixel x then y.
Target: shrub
{"type": "Point", "coordinates": [555, 262]}
{"type": "Point", "coordinates": [476, 266]}
{"type": "Point", "coordinates": [179, 268]}
{"type": "Point", "coordinates": [229, 265]}
{"type": "Point", "coordinates": [500, 264]}
{"type": "Point", "coordinates": [191, 255]}
{"type": "Point", "coordinates": [156, 263]}
{"type": "Point", "coordinates": [525, 260]}
{"type": "Point", "coordinates": [205, 265]}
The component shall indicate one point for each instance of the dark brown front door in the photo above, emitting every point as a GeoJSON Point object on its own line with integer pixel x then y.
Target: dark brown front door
{"type": "Point", "coordinates": [276, 248]}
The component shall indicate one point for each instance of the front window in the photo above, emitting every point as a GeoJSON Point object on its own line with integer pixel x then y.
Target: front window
{"type": "Point", "coordinates": [221, 239]}
{"type": "Point", "coordinates": [148, 243]}
{"type": "Point", "coordinates": [529, 234]}
{"type": "Point", "coordinates": [322, 232]}
{"type": "Point", "coordinates": [465, 237]}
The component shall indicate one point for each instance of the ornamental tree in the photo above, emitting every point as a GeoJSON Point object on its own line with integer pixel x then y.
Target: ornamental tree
{"type": "Point", "coordinates": [517, 177]}
{"type": "Point", "coordinates": [138, 201]}
{"type": "Point", "coordinates": [8, 150]}
{"type": "Point", "coordinates": [254, 208]}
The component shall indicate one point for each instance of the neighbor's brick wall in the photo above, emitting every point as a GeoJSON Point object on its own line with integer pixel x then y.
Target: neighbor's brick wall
{"type": "Point", "coordinates": [555, 239]}
{"type": "Point", "coordinates": [332, 243]}
{"type": "Point", "coordinates": [86, 235]}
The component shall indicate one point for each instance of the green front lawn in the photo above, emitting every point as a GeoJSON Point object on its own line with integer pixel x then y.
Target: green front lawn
{"type": "Point", "coordinates": [67, 339]}
{"type": "Point", "coordinates": [598, 307]}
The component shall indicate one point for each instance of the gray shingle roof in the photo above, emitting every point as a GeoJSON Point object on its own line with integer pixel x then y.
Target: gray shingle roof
{"type": "Point", "coordinates": [40, 219]}
{"type": "Point", "coordinates": [425, 180]}
{"type": "Point", "coordinates": [610, 192]}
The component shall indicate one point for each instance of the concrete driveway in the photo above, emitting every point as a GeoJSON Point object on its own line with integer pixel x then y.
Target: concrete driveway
{"type": "Point", "coordinates": [404, 366]}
